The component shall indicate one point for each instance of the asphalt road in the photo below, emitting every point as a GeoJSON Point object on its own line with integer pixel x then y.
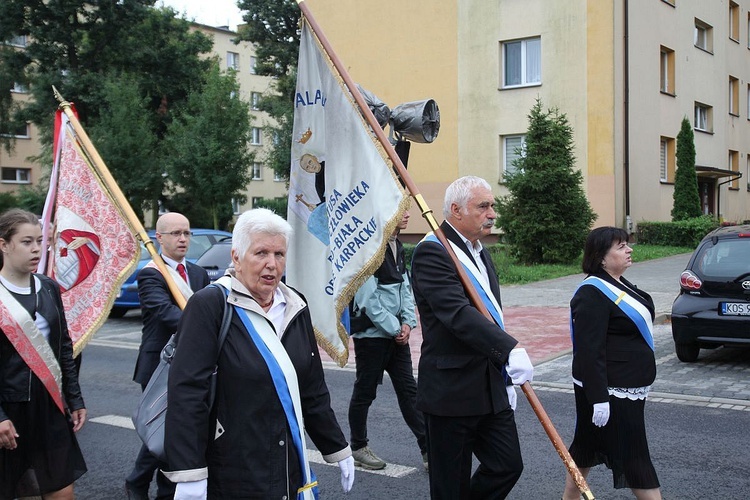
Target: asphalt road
{"type": "Point", "coordinates": [700, 448]}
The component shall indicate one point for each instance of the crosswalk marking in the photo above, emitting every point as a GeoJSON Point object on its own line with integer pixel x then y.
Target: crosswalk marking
{"type": "Point", "coordinates": [391, 470]}
{"type": "Point", "coordinates": [115, 421]}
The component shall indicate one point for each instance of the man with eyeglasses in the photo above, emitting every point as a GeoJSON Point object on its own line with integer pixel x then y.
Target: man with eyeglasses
{"type": "Point", "coordinates": [160, 315]}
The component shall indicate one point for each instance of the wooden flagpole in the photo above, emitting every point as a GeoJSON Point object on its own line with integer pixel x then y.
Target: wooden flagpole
{"type": "Point", "coordinates": [536, 405]}
{"type": "Point", "coordinates": [119, 198]}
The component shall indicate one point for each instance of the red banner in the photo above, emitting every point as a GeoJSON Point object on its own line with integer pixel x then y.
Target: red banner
{"type": "Point", "coordinates": [94, 249]}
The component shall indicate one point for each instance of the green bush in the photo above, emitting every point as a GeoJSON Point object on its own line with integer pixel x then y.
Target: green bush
{"type": "Point", "coordinates": [684, 233]}
{"type": "Point", "coordinates": [276, 205]}
{"type": "Point", "coordinates": [8, 201]}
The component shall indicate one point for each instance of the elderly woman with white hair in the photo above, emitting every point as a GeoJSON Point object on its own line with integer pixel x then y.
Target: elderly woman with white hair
{"type": "Point", "coordinates": [270, 386]}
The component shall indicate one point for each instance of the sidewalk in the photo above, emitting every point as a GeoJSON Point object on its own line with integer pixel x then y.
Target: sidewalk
{"type": "Point", "coordinates": [538, 315]}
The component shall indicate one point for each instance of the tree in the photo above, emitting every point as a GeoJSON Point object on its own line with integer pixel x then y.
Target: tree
{"type": "Point", "coordinates": [687, 202]}
{"type": "Point", "coordinates": [546, 217]}
{"type": "Point", "coordinates": [208, 142]}
{"type": "Point", "coordinates": [273, 27]}
{"type": "Point", "coordinates": [124, 137]}
{"type": "Point", "coordinates": [75, 45]}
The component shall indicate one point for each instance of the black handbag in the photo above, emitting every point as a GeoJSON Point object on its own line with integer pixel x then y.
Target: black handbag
{"type": "Point", "coordinates": [150, 415]}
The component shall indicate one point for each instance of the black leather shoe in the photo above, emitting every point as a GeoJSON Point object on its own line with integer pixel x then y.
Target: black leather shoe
{"type": "Point", "coordinates": [134, 493]}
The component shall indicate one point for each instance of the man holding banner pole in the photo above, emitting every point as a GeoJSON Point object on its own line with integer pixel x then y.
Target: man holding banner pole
{"type": "Point", "coordinates": [161, 315]}
{"type": "Point", "coordinates": [468, 364]}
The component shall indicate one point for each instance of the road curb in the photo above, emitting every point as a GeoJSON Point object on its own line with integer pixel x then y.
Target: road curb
{"type": "Point", "coordinates": [666, 397]}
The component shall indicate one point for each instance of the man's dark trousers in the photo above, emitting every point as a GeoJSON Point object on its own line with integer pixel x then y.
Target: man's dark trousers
{"type": "Point", "coordinates": [374, 356]}
{"type": "Point", "coordinates": [493, 438]}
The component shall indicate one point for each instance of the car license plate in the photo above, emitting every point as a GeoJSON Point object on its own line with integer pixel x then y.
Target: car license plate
{"type": "Point", "coordinates": [735, 308]}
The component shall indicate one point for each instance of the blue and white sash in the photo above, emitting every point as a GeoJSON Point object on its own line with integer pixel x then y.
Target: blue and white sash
{"type": "Point", "coordinates": [287, 387]}
{"type": "Point", "coordinates": [637, 312]}
{"type": "Point", "coordinates": [480, 283]}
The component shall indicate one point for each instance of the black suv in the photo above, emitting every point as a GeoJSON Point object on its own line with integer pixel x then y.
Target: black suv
{"type": "Point", "coordinates": [713, 307]}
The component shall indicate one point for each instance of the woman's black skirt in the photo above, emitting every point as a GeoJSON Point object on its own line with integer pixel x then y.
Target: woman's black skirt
{"type": "Point", "coordinates": [621, 444]}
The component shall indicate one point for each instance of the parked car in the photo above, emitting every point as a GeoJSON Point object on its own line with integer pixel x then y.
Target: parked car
{"type": "Point", "coordinates": [713, 307]}
{"type": "Point", "coordinates": [217, 259]}
{"type": "Point", "coordinates": [127, 298]}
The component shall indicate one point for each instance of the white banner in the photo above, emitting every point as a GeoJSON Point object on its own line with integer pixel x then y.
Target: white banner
{"type": "Point", "coordinates": [344, 197]}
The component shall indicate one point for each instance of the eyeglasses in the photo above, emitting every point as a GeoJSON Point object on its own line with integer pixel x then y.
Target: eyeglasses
{"type": "Point", "coordinates": [177, 234]}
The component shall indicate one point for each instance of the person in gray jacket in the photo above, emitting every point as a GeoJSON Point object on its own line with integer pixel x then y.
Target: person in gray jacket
{"type": "Point", "coordinates": [384, 315]}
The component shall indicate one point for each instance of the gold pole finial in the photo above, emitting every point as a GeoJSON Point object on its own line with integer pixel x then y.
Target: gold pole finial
{"type": "Point", "coordinates": [59, 97]}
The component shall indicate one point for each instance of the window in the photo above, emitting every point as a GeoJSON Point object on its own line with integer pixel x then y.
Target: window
{"type": "Point", "coordinates": [513, 147]}
{"type": "Point", "coordinates": [255, 100]}
{"type": "Point", "coordinates": [667, 159]}
{"type": "Point", "coordinates": [233, 60]}
{"type": "Point", "coordinates": [12, 175]}
{"type": "Point", "coordinates": [703, 117]}
{"type": "Point", "coordinates": [18, 41]}
{"type": "Point", "coordinates": [19, 88]}
{"type": "Point", "coordinates": [734, 21]}
{"type": "Point", "coordinates": [747, 171]}
{"type": "Point", "coordinates": [734, 166]}
{"type": "Point", "coordinates": [748, 31]}
{"type": "Point", "coordinates": [522, 62]}
{"type": "Point", "coordinates": [235, 206]}
{"type": "Point", "coordinates": [257, 138]}
{"type": "Point", "coordinates": [277, 177]}
{"type": "Point", "coordinates": [19, 131]}
{"type": "Point", "coordinates": [734, 96]}
{"type": "Point", "coordinates": [704, 36]}
{"type": "Point", "coordinates": [257, 173]}
{"type": "Point", "coordinates": [666, 69]}
{"type": "Point", "coordinates": [253, 62]}
{"type": "Point", "coordinates": [748, 103]}
{"type": "Point", "coordinates": [257, 200]}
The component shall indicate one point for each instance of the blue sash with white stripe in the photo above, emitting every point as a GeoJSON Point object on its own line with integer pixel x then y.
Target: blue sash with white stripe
{"type": "Point", "coordinates": [282, 389]}
{"type": "Point", "coordinates": [488, 302]}
{"type": "Point", "coordinates": [633, 309]}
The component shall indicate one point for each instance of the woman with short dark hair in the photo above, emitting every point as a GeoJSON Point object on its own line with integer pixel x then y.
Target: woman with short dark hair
{"type": "Point", "coordinates": [613, 367]}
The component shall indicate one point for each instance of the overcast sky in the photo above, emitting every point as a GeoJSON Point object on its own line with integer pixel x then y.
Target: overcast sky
{"type": "Point", "coordinates": [210, 12]}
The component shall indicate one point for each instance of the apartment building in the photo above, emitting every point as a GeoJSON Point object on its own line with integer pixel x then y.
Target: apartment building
{"type": "Point", "coordinates": [624, 72]}
{"type": "Point", "coordinates": [241, 57]}
{"type": "Point", "coordinates": [18, 169]}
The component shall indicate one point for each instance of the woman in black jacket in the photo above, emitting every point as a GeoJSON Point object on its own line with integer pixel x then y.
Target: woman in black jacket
{"type": "Point", "coordinates": [40, 400]}
{"type": "Point", "coordinates": [270, 387]}
{"type": "Point", "coordinates": [613, 367]}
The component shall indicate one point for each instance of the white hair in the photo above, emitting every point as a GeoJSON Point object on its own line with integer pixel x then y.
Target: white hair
{"type": "Point", "coordinates": [258, 221]}
{"type": "Point", "coordinates": [459, 192]}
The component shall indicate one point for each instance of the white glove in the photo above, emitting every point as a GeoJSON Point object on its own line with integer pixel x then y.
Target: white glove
{"type": "Point", "coordinates": [347, 473]}
{"type": "Point", "coordinates": [601, 414]}
{"type": "Point", "coordinates": [191, 490]}
{"type": "Point", "coordinates": [519, 366]}
{"type": "Point", "coordinates": [512, 396]}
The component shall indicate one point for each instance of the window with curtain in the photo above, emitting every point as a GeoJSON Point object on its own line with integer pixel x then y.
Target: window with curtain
{"type": "Point", "coordinates": [257, 138]}
{"type": "Point", "coordinates": [667, 159]}
{"type": "Point", "coordinates": [702, 118]}
{"type": "Point", "coordinates": [257, 172]}
{"type": "Point", "coordinates": [513, 147]}
{"type": "Point", "coordinates": [233, 60]}
{"type": "Point", "coordinates": [522, 62]}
